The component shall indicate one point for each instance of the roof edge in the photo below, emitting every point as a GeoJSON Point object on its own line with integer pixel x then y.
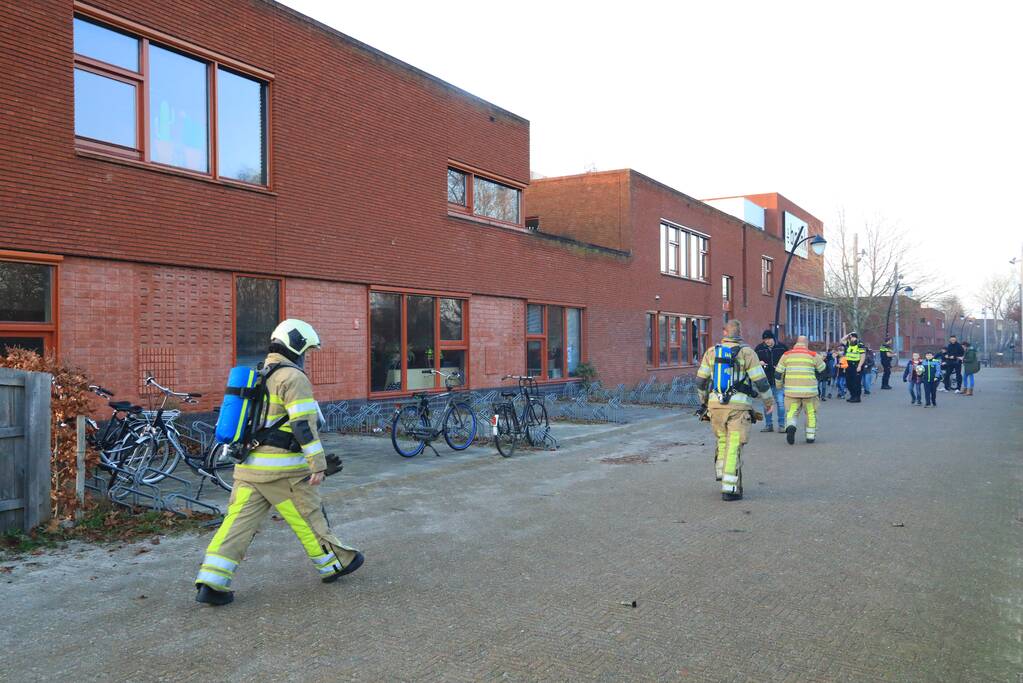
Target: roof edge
{"type": "Point", "coordinates": [295, 14]}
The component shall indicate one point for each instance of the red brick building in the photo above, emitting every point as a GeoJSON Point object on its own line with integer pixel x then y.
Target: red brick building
{"type": "Point", "coordinates": [177, 176]}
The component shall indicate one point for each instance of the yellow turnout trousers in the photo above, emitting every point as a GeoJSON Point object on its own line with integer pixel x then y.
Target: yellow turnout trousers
{"type": "Point", "coordinates": [731, 429]}
{"type": "Point", "coordinates": [297, 502]}
{"type": "Point", "coordinates": [793, 405]}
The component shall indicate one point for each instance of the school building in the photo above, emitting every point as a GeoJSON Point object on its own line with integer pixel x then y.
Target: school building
{"type": "Point", "coordinates": [176, 176]}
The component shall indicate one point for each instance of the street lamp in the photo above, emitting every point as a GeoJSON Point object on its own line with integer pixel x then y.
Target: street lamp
{"type": "Point", "coordinates": [817, 243]}
{"type": "Point", "coordinates": [894, 300]}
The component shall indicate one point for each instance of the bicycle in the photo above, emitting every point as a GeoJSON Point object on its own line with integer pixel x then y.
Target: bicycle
{"type": "Point", "coordinates": [509, 425]}
{"type": "Point", "coordinates": [412, 429]}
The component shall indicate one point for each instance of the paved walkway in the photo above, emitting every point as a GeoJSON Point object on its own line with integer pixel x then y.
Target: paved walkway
{"type": "Point", "coordinates": [889, 550]}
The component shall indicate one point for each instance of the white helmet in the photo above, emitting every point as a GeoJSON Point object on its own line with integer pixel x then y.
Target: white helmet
{"type": "Point", "coordinates": [297, 336]}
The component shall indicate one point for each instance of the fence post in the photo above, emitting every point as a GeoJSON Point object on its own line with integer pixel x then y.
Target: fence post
{"type": "Point", "coordinates": [37, 448]}
{"type": "Point", "coordinates": [80, 466]}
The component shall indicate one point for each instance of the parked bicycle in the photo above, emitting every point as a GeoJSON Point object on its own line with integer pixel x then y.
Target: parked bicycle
{"type": "Point", "coordinates": [529, 420]}
{"type": "Point", "coordinates": [413, 429]}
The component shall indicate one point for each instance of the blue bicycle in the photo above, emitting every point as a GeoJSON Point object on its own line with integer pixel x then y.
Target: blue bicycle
{"type": "Point", "coordinates": [412, 428]}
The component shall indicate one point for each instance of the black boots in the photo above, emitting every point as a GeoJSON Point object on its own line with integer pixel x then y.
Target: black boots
{"type": "Point", "coordinates": [352, 566]}
{"type": "Point", "coordinates": [209, 596]}
{"type": "Point", "coordinates": [768, 428]}
{"type": "Point", "coordinates": [790, 434]}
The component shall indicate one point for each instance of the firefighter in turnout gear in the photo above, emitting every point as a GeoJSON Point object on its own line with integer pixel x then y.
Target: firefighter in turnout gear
{"type": "Point", "coordinates": [730, 376]}
{"type": "Point", "coordinates": [800, 367]}
{"type": "Point", "coordinates": [282, 472]}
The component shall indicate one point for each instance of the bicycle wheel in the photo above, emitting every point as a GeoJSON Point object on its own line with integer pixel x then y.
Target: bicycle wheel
{"type": "Point", "coordinates": [505, 437]}
{"type": "Point", "coordinates": [164, 460]}
{"type": "Point", "coordinates": [537, 424]}
{"type": "Point", "coordinates": [404, 426]}
{"type": "Point", "coordinates": [460, 426]}
{"type": "Point", "coordinates": [220, 467]}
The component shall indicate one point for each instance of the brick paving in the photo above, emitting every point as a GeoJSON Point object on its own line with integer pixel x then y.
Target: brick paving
{"type": "Point", "coordinates": [889, 550]}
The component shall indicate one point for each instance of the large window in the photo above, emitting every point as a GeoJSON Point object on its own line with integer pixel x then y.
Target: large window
{"type": "Point", "coordinates": [675, 340]}
{"type": "Point", "coordinates": [410, 333]}
{"type": "Point", "coordinates": [27, 306]}
{"type": "Point", "coordinates": [483, 197]}
{"type": "Point", "coordinates": [203, 117]}
{"type": "Point", "coordinates": [554, 341]}
{"type": "Point", "coordinates": [684, 253]}
{"type": "Point", "coordinates": [258, 309]}
{"type": "Point", "coordinates": [767, 275]}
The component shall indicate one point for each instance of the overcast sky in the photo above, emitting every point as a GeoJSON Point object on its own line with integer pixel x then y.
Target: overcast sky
{"type": "Point", "coordinates": [904, 111]}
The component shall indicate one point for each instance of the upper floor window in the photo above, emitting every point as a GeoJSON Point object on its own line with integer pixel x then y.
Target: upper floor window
{"type": "Point", "coordinates": [483, 197]}
{"type": "Point", "coordinates": [684, 253]}
{"type": "Point", "coordinates": [726, 288]}
{"type": "Point", "coordinates": [203, 116]}
{"type": "Point", "coordinates": [766, 274]}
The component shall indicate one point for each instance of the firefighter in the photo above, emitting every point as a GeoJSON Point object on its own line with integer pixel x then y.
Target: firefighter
{"type": "Point", "coordinates": [886, 363]}
{"type": "Point", "coordinates": [799, 369]}
{"type": "Point", "coordinates": [282, 473]}
{"type": "Point", "coordinates": [730, 376]}
{"type": "Point", "coordinates": [856, 354]}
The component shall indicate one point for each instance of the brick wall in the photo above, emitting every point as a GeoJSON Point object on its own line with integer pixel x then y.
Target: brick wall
{"type": "Point", "coordinates": [497, 334]}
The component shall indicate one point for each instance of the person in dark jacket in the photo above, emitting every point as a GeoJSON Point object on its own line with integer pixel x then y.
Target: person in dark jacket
{"type": "Point", "coordinates": [886, 363]}
{"type": "Point", "coordinates": [770, 351]}
{"type": "Point", "coordinates": [971, 366]}
{"type": "Point", "coordinates": [954, 354]}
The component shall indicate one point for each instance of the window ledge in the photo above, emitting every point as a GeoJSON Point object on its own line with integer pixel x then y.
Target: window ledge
{"type": "Point", "coordinates": [472, 218]}
{"type": "Point", "coordinates": [687, 279]}
{"type": "Point", "coordinates": [167, 170]}
{"type": "Point", "coordinates": [688, 366]}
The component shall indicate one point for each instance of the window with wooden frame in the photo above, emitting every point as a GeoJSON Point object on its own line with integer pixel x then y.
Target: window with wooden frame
{"type": "Point", "coordinates": [554, 341]}
{"type": "Point", "coordinates": [258, 309]}
{"type": "Point", "coordinates": [28, 302]}
{"type": "Point", "coordinates": [144, 96]}
{"type": "Point", "coordinates": [674, 339]}
{"type": "Point", "coordinates": [684, 253]}
{"type": "Point", "coordinates": [767, 274]}
{"type": "Point", "coordinates": [727, 284]}
{"type": "Point", "coordinates": [483, 197]}
{"type": "Point", "coordinates": [410, 332]}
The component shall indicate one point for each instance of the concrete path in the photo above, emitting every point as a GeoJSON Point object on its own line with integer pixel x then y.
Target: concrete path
{"type": "Point", "coordinates": [889, 550]}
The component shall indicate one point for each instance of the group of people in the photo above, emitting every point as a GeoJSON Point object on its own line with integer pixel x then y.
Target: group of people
{"type": "Point", "coordinates": [790, 381]}
{"type": "Point", "coordinates": [957, 366]}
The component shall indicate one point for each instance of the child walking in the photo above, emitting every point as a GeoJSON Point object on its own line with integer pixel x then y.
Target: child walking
{"type": "Point", "coordinates": [913, 374]}
{"type": "Point", "coordinates": [840, 367]}
{"type": "Point", "coordinates": [931, 376]}
{"type": "Point", "coordinates": [971, 366]}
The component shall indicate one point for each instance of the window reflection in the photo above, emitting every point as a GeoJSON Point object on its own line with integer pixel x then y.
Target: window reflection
{"type": "Point", "coordinates": [241, 122]}
{"type": "Point", "coordinates": [105, 109]}
{"type": "Point", "coordinates": [179, 111]}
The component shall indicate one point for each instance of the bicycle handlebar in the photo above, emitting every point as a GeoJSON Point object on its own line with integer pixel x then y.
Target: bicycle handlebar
{"type": "Point", "coordinates": [187, 396]}
{"type": "Point", "coordinates": [445, 375]}
{"type": "Point", "coordinates": [100, 391]}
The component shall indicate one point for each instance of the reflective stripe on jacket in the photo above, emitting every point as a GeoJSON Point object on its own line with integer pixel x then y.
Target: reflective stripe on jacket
{"type": "Point", "coordinates": [798, 370]}
{"type": "Point", "coordinates": [854, 352]}
{"type": "Point", "coordinates": [291, 395]}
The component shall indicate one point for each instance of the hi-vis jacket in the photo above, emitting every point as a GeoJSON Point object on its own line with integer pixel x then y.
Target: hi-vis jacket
{"type": "Point", "coordinates": [291, 394]}
{"type": "Point", "coordinates": [747, 364]}
{"type": "Point", "coordinates": [798, 369]}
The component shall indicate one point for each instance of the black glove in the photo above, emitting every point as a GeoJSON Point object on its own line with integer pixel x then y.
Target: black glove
{"type": "Point", "coordinates": [333, 464]}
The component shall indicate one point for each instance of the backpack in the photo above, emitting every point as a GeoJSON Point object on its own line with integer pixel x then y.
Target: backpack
{"type": "Point", "coordinates": [240, 423]}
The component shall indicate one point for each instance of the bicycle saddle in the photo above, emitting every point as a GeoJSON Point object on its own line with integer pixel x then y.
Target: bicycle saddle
{"type": "Point", "coordinates": [509, 394]}
{"type": "Point", "coordinates": [420, 394]}
{"type": "Point", "coordinates": [121, 406]}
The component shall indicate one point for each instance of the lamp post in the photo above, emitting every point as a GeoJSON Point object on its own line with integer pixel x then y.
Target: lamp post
{"type": "Point", "coordinates": [983, 312]}
{"type": "Point", "coordinates": [895, 300]}
{"type": "Point", "coordinates": [817, 243]}
{"type": "Point", "coordinates": [1019, 340]}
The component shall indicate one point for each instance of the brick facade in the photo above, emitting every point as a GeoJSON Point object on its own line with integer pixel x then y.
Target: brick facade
{"type": "Point", "coordinates": [359, 147]}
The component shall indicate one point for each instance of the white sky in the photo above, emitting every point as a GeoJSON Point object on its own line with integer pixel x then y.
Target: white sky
{"type": "Point", "coordinates": [908, 111]}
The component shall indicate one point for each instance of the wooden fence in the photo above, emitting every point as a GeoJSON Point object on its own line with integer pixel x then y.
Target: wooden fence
{"type": "Point", "coordinates": [24, 449]}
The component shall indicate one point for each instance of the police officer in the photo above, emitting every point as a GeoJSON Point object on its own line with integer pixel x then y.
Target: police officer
{"type": "Point", "coordinates": [798, 371]}
{"type": "Point", "coordinates": [856, 355]}
{"type": "Point", "coordinates": [730, 376]}
{"type": "Point", "coordinates": [283, 473]}
{"type": "Point", "coordinates": [886, 362]}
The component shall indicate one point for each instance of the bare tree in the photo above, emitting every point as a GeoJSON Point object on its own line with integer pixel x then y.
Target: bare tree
{"type": "Point", "coordinates": [861, 268]}
{"type": "Point", "coordinates": [999, 295]}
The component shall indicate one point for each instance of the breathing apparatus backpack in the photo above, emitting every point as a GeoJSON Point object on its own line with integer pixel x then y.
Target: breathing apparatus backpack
{"type": "Point", "coordinates": [723, 380]}
{"type": "Point", "coordinates": [240, 424]}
